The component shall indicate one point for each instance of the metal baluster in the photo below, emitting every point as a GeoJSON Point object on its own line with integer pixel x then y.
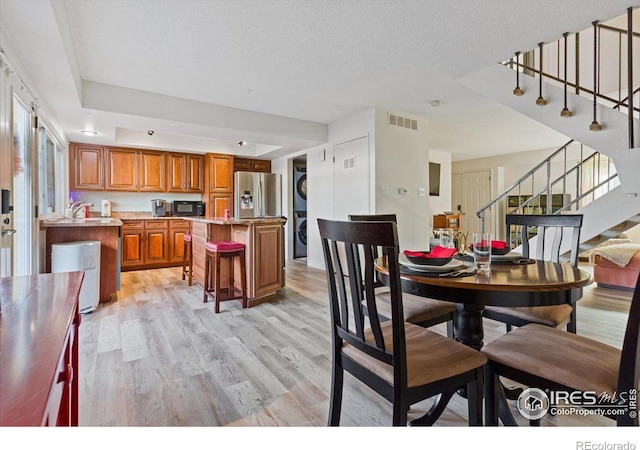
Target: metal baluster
{"type": "Point", "coordinates": [595, 126]}
{"type": "Point", "coordinates": [548, 205]}
{"type": "Point", "coordinates": [630, 75]}
{"type": "Point", "coordinates": [517, 91]}
{"type": "Point", "coordinates": [565, 111]}
{"type": "Point", "coordinates": [540, 101]}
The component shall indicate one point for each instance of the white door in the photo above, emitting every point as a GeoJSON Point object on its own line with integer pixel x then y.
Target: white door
{"type": "Point", "coordinates": [24, 188]}
{"type": "Point", "coordinates": [350, 182]}
{"type": "Point", "coordinates": [470, 192]}
{"type": "Point", "coordinates": [351, 178]}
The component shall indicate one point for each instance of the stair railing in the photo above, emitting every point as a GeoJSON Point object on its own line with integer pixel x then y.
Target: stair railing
{"type": "Point", "coordinates": [614, 60]}
{"type": "Point", "coordinates": [590, 177]}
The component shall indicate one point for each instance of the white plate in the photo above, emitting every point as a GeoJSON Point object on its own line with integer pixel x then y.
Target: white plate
{"type": "Point", "coordinates": [454, 264]}
{"type": "Point", "coordinates": [508, 257]}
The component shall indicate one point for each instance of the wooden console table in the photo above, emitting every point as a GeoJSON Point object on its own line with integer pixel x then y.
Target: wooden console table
{"type": "Point", "coordinates": [39, 323]}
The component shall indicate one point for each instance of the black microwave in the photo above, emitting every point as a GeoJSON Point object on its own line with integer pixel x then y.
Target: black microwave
{"type": "Point", "coordinates": [187, 208]}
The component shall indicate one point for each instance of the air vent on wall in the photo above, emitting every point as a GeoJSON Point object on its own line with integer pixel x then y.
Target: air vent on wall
{"type": "Point", "coordinates": [403, 122]}
{"type": "Point", "coordinates": [350, 163]}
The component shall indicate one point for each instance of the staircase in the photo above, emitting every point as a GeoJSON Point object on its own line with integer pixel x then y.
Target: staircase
{"type": "Point", "coordinates": [601, 128]}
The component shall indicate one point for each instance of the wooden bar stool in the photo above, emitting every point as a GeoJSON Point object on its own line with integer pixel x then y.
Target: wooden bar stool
{"type": "Point", "coordinates": [215, 251]}
{"type": "Point", "coordinates": [187, 258]}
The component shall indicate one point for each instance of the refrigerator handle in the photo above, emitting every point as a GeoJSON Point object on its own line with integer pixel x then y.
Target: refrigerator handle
{"type": "Point", "coordinates": [261, 197]}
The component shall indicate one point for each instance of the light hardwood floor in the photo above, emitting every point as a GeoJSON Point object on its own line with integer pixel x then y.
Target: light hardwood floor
{"type": "Point", "coordinates": [160, 357]}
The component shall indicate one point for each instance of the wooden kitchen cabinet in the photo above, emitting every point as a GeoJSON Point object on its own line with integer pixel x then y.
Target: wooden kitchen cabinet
{"type": "Point", "coordinates": [218, 194]}
{"type": "Point", "coordinates": [177, 230]}
{"type": "Point", "coordinates": [218, 203]}
{"type": "Point", "coordinates": [131, 242]}
{"type": "Point", "coordinates": [156, 248]}
{"type": "Point", "coordinates": [251, 165]}
{"type": "Point", "coordinates": [86, 167]}
{"type": "Point", "coordinates": [269, 258]}
{"type": "Point", "coordinates": [152, 171]}
{"type": "Point", "coordinates": [446, 221]}
{"type": "Point", "coordinates": [219, 171]}
{"type": "Point", "coordinates": [185, 172]}
{"type": "Point", "coordinates": [121, 169]}
{"type": "Point", "coordinates": [264, 253]}
{"type": "Point", "coordinates": [152, 243]}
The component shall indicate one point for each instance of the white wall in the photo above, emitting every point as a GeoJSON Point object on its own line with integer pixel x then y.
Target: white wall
{"type": "Point", "coordinates": [515, 165]}
{"type": "Point", "coordinates": [319, 199]}
{"type": "Point", "coordinates": [398, 158]}
{"type": "Point", "coordinates": [402, 162]}
{"type": "Point", "coordinates": [129, 201]}
{"type": "Point", "coordinates": [496, 82]}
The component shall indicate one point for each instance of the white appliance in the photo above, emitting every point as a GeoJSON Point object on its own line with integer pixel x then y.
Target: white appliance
{"type": "Point", "coordinates": [80, 256]}
{"type": "Point", "coordinates": [257, 194]}
{"type": "Point", "coordinates": [106, 208]}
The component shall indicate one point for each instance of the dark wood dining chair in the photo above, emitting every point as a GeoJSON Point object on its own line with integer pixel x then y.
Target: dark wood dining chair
{"type": "Point", "coordinates": [402, 362]}
{"type": "Point", "coordinates": [422, 311]}
{"type": "Point", "coordinates": [551, 359]}
{"type": "Point", "coordinates": [551, 231]}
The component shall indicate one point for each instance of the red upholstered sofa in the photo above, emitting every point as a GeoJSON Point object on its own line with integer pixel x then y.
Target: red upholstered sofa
{"type": "Point", "coordinates": [610, 275]}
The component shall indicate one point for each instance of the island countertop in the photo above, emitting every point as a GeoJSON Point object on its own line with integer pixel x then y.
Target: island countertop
{"type": "Point", "coordinates": [235, 221]}
{"type": "Point", "coordinates": [88, 222]}
{"type": "Point", "coordinates": [263, 238]}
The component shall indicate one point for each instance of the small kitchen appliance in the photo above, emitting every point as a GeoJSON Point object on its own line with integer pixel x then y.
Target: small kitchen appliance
{"type": "Point", "coordinates": [184, 208]}
{"type": "Point", "coordinates": [106, 208]}
{"type": "Point", "coordinates": [158, 207]}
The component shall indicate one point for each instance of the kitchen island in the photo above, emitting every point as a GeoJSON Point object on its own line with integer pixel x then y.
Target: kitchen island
{"type": "Point", "coordinates": [106, 230]}
{"type": "Point", "coordinates": [264, 252]}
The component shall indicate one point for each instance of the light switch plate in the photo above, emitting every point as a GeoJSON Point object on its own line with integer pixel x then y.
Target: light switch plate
{"type": "Point", "coordinates": [422, 192]}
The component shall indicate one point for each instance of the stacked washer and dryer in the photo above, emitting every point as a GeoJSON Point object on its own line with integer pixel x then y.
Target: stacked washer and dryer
{"type": "Point", "coordinates": [300, 209]}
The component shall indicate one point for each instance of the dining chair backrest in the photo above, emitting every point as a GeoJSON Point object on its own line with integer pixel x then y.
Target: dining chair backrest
{"type": "Point", "coordinates": [629, 372]}
{"type": "Point", "coordinates": [551, 230]}
{"type": "Point", "coordinates": [347, 314]}
{"type": "Point", "coordinates": [374, 218]}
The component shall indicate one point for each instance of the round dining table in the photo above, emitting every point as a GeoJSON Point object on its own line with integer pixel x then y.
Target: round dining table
{"type": "Point", "coordinates": [535, 283]}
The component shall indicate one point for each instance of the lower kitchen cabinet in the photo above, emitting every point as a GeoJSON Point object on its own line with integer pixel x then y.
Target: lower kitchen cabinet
{"type": "Point", "coordinates": [152, 243]}
{"type": "Point", "coordinates": [177, 230]}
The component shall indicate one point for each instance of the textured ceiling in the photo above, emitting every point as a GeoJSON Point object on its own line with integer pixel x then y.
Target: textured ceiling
{"type": "Point", "coordinates": [314, 61]}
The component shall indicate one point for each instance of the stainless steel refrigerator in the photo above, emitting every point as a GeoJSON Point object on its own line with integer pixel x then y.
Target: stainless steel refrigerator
{"type": "Point", "coordinates": [257, 195]}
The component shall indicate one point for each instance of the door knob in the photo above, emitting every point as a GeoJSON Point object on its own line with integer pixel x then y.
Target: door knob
{"type": "Point", "coordinates": [6, 232]}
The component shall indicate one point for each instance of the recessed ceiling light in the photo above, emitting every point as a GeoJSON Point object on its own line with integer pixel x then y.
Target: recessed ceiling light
{"type": "Point", "coordinates": [89, 132]}
{"type": "Point", "coordinates": [241, 143]}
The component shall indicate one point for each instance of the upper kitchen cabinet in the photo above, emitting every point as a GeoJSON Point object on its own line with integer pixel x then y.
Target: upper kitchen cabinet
{"type": "Point", "coordinates": [219, 172]}
{"type": "Point", "coordinates": [251, 165]}
{"type": "Point", "coordinates": [96, 168]}
{"type": "Point", "coordinates": [152, 171]}
{"type": "Point", "coordinates": [86, 167]}
{"type": "Point", "coordinates": [185, 172]}
{"type": "Point", "coordinates": [121, 169]}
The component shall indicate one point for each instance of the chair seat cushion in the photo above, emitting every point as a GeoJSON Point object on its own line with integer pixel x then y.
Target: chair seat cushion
{"type": "Point", "coordinates": [562, 357]}
{"type": "Point", "coordinates": [552, 316]}
{"type": "Point", "coordinates": [416, 309]}
{"type": "Point", "coordinates": [187, 238]}
{"type": "Point", "coordinates": [224, 246]}
{"type": "Point", "coordinates": [430, 356]}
